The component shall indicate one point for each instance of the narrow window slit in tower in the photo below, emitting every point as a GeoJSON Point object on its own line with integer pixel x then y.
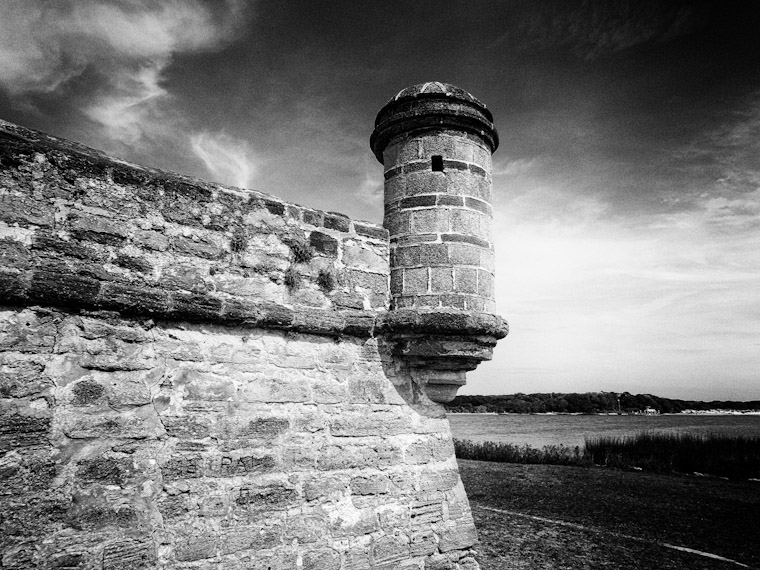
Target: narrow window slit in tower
{"type": "Point", "coordinates": [437, 163]}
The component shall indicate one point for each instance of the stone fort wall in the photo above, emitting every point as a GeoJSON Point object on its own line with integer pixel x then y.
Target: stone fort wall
{"type": "Point", "coordinates": [195, 376]}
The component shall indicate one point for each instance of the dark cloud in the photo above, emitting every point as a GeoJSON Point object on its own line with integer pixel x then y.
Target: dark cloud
{"type": "Point", "coordinates": [592, 28]}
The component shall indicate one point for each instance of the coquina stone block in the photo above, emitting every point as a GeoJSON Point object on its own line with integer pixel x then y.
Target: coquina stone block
{"type": "Point", "coordinates": [197, 377]}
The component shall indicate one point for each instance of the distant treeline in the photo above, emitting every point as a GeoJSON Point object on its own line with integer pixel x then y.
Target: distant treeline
{"type": "Point", "coordinates": [588, 403]}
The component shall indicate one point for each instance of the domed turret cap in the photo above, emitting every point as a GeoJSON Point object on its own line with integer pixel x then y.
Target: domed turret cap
{"type": "Point", "coordinates": [432, 105]}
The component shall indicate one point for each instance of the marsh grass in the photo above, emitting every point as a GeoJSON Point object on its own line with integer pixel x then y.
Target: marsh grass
{"type": "Point", "coordinates": [511, 453]}
{"type": "Point", "coordinates": [735, 457]}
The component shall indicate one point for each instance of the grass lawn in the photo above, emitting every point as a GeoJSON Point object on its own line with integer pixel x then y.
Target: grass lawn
{"type": "Point", "coordinates": [562, 517]}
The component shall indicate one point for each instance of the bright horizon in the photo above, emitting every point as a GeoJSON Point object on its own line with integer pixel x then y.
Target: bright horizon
{"type": "Point", "coordinates": [626, 185]}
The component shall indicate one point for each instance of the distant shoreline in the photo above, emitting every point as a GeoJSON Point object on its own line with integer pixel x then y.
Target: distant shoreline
{"type": "Point", "coordinates": [596, 403]}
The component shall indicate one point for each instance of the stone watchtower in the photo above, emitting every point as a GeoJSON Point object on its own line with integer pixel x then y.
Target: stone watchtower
{"type": "Point", "coordinates": [435, 141]}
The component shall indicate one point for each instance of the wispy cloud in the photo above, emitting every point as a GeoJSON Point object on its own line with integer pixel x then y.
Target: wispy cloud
{"type": "Point", "coordinates": [514, 167]}
{"type": "Point", "coordinates": [128, 108]}
{"type": "Point", "coordinates": [228, 160]}
{"type": "Point", "coordinates": [116, 52]}
{"type": "Point", "coordinates": [371, 188]}
{"type": "Point", "coordinates": [728, 149]}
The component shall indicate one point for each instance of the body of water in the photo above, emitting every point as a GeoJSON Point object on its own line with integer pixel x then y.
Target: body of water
{"type": "Point", "coordinates": [541, 430]}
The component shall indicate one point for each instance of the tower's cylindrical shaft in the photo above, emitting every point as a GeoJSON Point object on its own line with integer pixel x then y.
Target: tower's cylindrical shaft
{"type": "Point", "coordinates": [435, 141]}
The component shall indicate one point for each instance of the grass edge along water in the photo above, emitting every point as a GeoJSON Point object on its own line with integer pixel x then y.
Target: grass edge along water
{"type": "Point", "coordinates": [720, 455]}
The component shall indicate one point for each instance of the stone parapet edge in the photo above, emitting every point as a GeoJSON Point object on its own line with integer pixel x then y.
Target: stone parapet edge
{"type": "Point", "coordinates": [66, 290]}
{"type": "Point", "coordinates": [443, 322]}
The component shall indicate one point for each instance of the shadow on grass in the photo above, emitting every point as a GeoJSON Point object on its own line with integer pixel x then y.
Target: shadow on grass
{"type": "Point", "coordinates": [549, 516]}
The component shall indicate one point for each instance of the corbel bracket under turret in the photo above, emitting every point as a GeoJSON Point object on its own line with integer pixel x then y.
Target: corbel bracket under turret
{"type": "Point", "coordinates": [441, 346]}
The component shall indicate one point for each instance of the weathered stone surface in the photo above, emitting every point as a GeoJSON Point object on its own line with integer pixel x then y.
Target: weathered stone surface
{"type": "Point", "coordinates": [22, 376]}
{"type": "Point", "coordinates": [151, 240]}
{"type": "Point", "coordinates": [335, 221]}
{"type": "Point", "coordinates": [438, 480]}
{"type": "Point", "coordinates": [452, 322]}
{"type": "Point", "coordinates": [204, 249]}
{"type": "Point", "coordinates": [325, 486]}
{"type": "Point", "coordinates": [370, 230]}
{"type": "Point", "coordinates": [267, 499]}
{"type": "Point", "coordinates": [87, 227]}
{"type": "Point", "coordinates": [354, 523]}
{"type": "Point", "coordinates": [173, 397]}
{"type": "Point", "coordinates": [457, 536]}
{"type": "Point", "coordinates": [370, 485]}
{"type": "Point", "coordinates": [364, 456]}
{"type": "Point", "coordinates": [249, 538]}
{"type": "Point", "coordinates": [362, 422]}
{"type": "Point", "coordinates": [357, 255]}
{"type": "Point", "coordinates": [423, 543]}
{"type": "Point", "coordinates": [390, 549]}
{"type": "Point", "coordinates": [324, 243]}
{"type": "Point", "coordinates": [63, 289]}
{"type": "Point", "coordinates": [196, 547]}
{"type": "Point", "coordinates": [323, 559]}
{"type": "Point", "coordinates": [437, 191]}
{"type": "Point", "coordinates": [25, 211]}
{"type": "Point", "coordinates": [20, 430]}
{"type": "Point", "coordinates": [139, 247]}
{"type": "Point", "coordinates": [127, 554]}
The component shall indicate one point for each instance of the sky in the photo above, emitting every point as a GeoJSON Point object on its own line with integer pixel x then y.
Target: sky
{"type": "Point", "coordinates": [626, 184]}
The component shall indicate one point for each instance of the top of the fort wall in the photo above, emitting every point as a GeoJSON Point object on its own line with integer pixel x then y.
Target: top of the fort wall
{"type": "Point", "coordinates": [83, 230]}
